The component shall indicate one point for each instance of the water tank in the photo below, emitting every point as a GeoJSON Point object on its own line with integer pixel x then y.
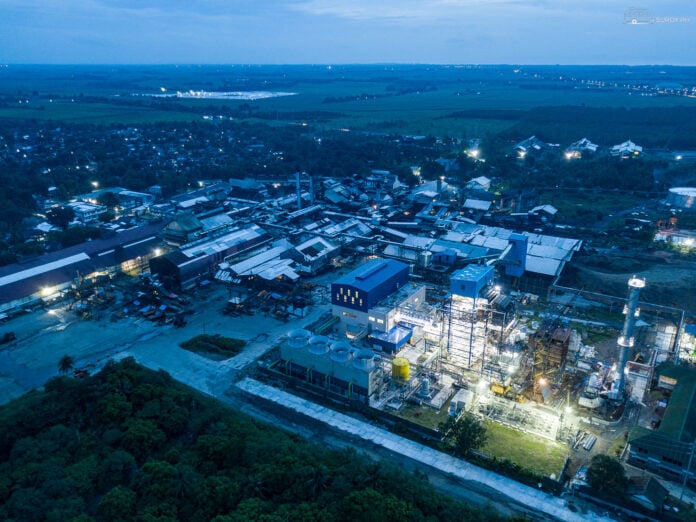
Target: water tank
{"type": "Point", "coordinates": [425, 258]}
{"type": "Point", "coordinates": [318, 344]}
{"type": "Point", "coordinates": [364, 360]}
{"type": "Point", "coordinates": [298, 338]}
{"type": "Point", "coordinates": [341, 352]}
{"type": "Point", "coordinates": [400, 369]}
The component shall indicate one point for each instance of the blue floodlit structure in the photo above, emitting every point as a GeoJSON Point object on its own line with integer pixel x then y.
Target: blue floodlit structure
{"type": "Point", "coordinates": [517, 256]}
{"type": "Point", "coordinates": [470, 280]}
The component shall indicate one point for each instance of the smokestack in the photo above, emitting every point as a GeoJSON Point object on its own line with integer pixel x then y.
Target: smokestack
{"type": "Point", "coordinates": [626, 340]}
{"type": "Point", "coordinates": [299, 190]}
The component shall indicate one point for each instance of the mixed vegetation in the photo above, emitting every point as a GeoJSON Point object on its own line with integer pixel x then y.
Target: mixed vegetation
{"type": "Point", "coordinates": [130, 444]}
{"type": "Point", "coordinates": [217, 345]}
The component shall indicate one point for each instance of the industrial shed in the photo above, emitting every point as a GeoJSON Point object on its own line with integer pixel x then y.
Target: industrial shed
{"type": "Point", "coordinates": [181, 268]}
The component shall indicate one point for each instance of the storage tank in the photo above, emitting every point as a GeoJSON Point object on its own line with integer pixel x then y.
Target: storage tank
{"type": "Point", "coordinates": [341, 352]}
{"type": "Point", "coordinates": [425, 387]}
{"type": "Point", "coordinates": [425, 258]}
{"type": "Point", "coordinates": [364, 360]}
{"type": "Point", "coordinates": [318, 344]}
{"type": "Point", "coordinates": [400, 369]}
{"type": "Point", "coordinates": [298, 338]}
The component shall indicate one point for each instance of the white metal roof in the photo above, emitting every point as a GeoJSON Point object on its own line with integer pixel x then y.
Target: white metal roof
{"type": "Point", "coordinates": [222, 243]}
{"type": "Point", "coordinates": [247, 266]}
{"type": "Point", "coordinates": [477, 204]}
{"type": "Point", "coordinates": [541, 265]}
{"type": "Point", "coordinates": [42, 269]}
{"type": "Point", "coordinates": [546, 251]}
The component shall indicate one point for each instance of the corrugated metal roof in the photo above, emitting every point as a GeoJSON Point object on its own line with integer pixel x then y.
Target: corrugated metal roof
{"type": "Point", "coordinates": [371, 274]}
{"type": "Point", "coordinates": [540, 265]}
{"type": "Point", "coordinates": [42, 269]}
{"type": "Point", "coordinates": [546, 251]}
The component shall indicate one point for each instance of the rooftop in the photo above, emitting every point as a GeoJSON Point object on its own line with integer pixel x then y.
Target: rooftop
{"type": "Point", "coordinates": [369, 275]}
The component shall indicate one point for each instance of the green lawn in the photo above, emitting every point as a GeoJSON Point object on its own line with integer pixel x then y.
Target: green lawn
{"type": "Point", "coordinates": [425, 416]}
{"type": "Point", "coordinates": [214, 345]}
{"type": "Point", "coordinates": [528, 451]}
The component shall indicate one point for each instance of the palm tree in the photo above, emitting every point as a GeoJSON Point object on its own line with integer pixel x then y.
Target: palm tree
{"type": "Point", "coordinates": [66, 364]}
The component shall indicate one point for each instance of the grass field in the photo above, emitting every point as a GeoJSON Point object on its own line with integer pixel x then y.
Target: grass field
{"type": "Point", "coordinates": [570, 203]}
{"type": "Point", "coordinates": [93, 113]}
{"type": "Point", "coordinates": [528, 451]}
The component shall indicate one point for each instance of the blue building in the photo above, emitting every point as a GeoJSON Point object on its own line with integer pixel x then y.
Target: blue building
{"type": "Point", "coordinates": [470, 280]}
{"type": "Point", "coordinates": [516, 259]}
{"type": "Point", "coordinates": [367, 285]}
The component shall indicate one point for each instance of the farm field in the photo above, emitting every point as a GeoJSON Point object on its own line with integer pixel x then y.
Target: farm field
{"type": "Point", "coordinates": [417, 100]}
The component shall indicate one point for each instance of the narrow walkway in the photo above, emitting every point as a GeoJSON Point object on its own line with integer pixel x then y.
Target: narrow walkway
{"type": "Point", "coordinates": [530, 497]}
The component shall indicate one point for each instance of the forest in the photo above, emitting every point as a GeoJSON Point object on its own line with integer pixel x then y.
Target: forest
{"type": "Point", "coordinates": [132, 444]}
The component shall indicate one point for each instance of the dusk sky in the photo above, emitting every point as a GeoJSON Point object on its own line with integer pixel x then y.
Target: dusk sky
{"type": "Point", "coordinates": [346, 31]}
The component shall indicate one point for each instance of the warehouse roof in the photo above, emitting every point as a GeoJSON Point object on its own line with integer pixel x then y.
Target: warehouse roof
{"type": "Point", "coordinates": [369, 275]}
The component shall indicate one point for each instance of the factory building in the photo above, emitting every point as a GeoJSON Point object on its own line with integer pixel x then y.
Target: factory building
{"type": "Point", "coordinates": [45, 278]}
{"type": "Point", "coordinates": [369, 301]}
{"type": "Point", "coordinates": [181, 268]}
{"type": "Point", "coordinates": [668, 449]}
{"type": "Point", "coordinates": [334, 367]}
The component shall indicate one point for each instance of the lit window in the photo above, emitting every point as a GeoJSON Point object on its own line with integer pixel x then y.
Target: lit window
{"type": "Point", "coordinates": [361, 302]}
{"type": "Point", "coordinates": [341, 289]}
{"type": "Point", "coordinates": [371, 319]}
{"type": "Point", "coordinates": [380, 321]}
{"type": "Point", "coordinates": [349, 292]}
{"type": "Point", "coordinates": [352, 300]}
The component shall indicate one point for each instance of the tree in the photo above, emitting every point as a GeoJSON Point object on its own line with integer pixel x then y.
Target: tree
{"type": "Point", "coordinates": [607, 476]}
{"type": "Point", "coordinates": [60, 216]}
{"type": "Point", "coordinates": [66, 364]}
{"type": "Point", "coordinates": [109, 200]}
{"type": "Point", "coordinates": [465, 434]}
{"type": "Point", "coordinates": [118, 504]}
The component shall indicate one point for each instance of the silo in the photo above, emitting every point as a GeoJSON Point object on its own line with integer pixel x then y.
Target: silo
{"type": "Point", "coordinates": [341, 352]}
{"type": "Point", "coordinates": [318, 345]}
{"type": "Point", "coordinates": [364, 360]}
{"type": "Point", "coordinates": [400, 370]}
{"type": "Point", "coordinates": [425, 258]}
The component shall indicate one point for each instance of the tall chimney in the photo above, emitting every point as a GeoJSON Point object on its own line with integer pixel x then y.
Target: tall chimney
{"type": "Point", "coordinates": [626, 340]}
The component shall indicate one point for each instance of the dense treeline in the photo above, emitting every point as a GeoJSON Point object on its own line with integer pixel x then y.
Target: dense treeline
{"type": "Point", "coordinates": [131, 444]}
{"type": "Point", "coordinates": [671, 128]}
